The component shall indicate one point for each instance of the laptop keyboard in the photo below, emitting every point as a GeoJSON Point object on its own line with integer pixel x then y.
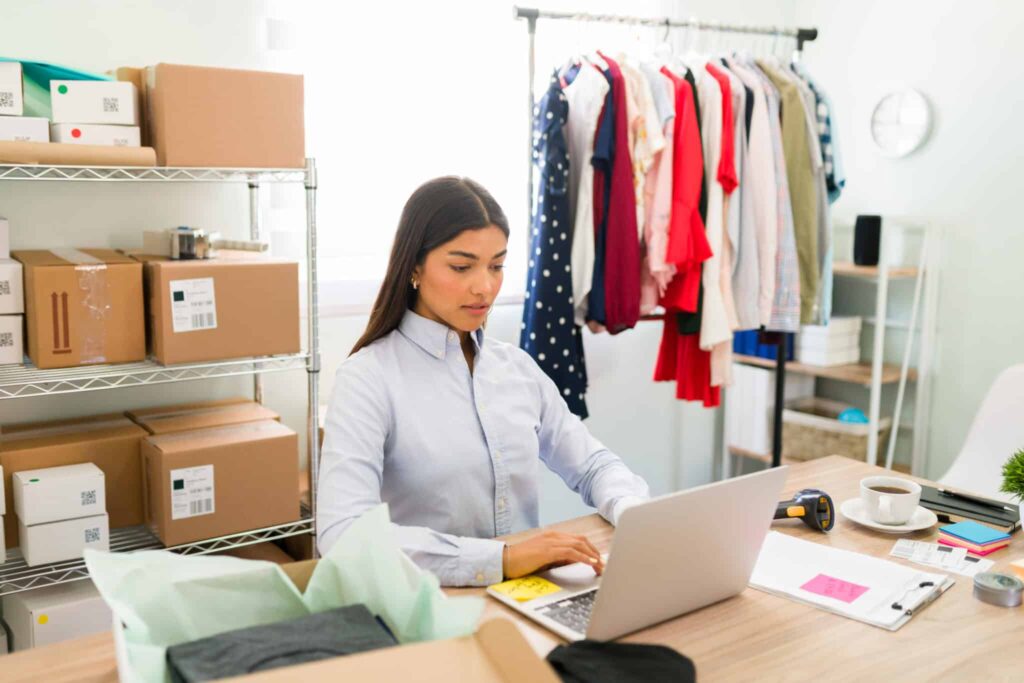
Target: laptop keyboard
{"type": "Point", "coordinates": [573, 612]}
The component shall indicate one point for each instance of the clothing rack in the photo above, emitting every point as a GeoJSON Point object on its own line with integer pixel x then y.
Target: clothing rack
{"type": "Point", "coordinates": [801, 35]}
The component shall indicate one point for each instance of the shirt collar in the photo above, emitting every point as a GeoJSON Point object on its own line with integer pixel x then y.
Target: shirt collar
{"type": "Point", "coordinates": [433, 337]}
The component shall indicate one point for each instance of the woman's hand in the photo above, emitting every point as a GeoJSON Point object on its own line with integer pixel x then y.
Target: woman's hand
{"type": "Point", "coordinates": [549, 549]}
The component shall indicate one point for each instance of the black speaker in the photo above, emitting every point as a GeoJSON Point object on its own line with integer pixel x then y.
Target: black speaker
{"type": "Point", "coordinates": [867, 233]}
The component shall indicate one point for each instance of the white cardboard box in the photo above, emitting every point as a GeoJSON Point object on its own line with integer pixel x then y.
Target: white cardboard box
{"type": "Point", "coordinates": [49, 615]}
{"type": "Point", "coordinates": [24, 128]}
{"type": "Point", "coordinates": [12, 290]}
{"type": "Point", "coordinates": [838, 326]}
{"type": "Point", "coordinates": [829, 357]}
{"type": "Point", "coordinates": [12, 99]}
{"type": "Point", "coordinates": [112, 102]}
{"type": "Point", "coordinates": [59, 541]}
{"type": "Point", "coordinates": [12, 345]}
{"type": "Point", "coordinates": [95, 134]}
{"type": "Point", "coordinates": [53, 494]}
{"type": "Point", "coordinates": [5, 239]}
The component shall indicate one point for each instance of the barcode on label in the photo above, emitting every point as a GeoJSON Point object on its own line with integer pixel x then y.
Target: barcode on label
{"type": "Point", "coordinates": [110, 104]}
{"type": "Point", "coordinates": [200, 321]}
{"type": "Point", "coordinates": [5, 287]}
{"type": "Point", "coordinates": [6, 99]}
{"type": "Point", "coordinates": [6, 340]}
{"type": "Point", "coordinates": [200, 507]}
{"type": "Point", "coordinates": [89, 497]}
{"type": "Point", "coordinates": [92, 535]}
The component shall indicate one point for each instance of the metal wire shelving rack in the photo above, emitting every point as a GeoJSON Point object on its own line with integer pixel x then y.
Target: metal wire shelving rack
{"type": "Point", "coordinates": [24, 381]}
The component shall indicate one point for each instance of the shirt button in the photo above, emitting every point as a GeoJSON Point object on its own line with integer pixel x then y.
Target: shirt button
{"type": "Point", "coordinates": [451, 336]}
{"type": "Point", "coordinates": [501, 503]}
{"type": "Point", "coordinates": [480, 577]}
{"type": "Point", "coordinates": [440, 354]}
{"type": "Point", "coordinates": [497, 455]}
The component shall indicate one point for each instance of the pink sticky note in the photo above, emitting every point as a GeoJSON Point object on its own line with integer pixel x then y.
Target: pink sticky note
{"type": "Point", "coordinates": [832, 587]}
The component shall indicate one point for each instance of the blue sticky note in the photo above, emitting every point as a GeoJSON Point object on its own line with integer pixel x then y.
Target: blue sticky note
{"type": "Point", "coordinates": [972, 532]}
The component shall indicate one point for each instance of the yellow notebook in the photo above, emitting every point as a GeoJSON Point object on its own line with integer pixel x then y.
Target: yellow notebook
{"type": "Point", "coordinates": [526, 588]}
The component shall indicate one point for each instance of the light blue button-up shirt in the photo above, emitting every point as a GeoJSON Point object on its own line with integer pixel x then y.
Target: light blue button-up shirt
{"type": "Point", "coordinates": [455, 454]}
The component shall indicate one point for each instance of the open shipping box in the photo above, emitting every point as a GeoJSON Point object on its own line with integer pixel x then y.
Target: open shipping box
{"type": "Point", "coordinates": [496, 653]}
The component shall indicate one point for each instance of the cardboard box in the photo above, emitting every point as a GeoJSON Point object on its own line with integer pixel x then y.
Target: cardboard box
{"type": "Point", "coordinates": [95, 134]}
{"type": "Point", "coordinates": [202, 116]}
{"type": "Point", "coordinates": [64, 540]}
{"type": "Point", "coordinates": [496, 653]}
{"type": "Point", "coordinates": [12, 98]}
{"type": "Point", "coordinates": [53, 494]}
{"type": "Point", "coordinates": [44, 616]}
{"type": "Point", "coordinates": [111, 442]}
{"type": "Point", "coordinates": [12, 345]}
{"type": "Point", "coordinates": [137, 77]}
{"type": "Point", "coordinates": [12, 290]}
{"type": "Point", "coordinates": [266, 552]}
{"type": "Point", "coordinates": [83, 307]}
{"type": "Point", "coordinates": [224, 480]}
{"type": "Point", "coordinates": [180, 418]}
{"type": "Point", "coordinates": [5, 238]}
{"type": "Point", "coordinates": [3, 547]}
{"type": "Point", "coordinates": [221, 308]}
{"type": "Point", "coordinates": [24, 128]}
{"type": "Point", "coordinates": [110, 102]}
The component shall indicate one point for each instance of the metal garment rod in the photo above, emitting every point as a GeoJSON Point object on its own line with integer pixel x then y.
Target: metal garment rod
{"type": "Point", "coordinates": [802, 35]}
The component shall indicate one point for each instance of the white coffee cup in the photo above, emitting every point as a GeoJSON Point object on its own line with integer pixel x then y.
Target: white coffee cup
{"type": "Point", "coordinates": [884, 504]}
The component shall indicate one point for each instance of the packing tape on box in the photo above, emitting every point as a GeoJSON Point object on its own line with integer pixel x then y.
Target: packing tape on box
{"type": "Point", "coordinates": [92, 282]}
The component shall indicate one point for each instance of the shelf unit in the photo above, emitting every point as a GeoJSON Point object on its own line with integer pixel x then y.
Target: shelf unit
{"type": "Point", "coordinates": [876, 374]}
{"type": "Point", "coordinates": [27, 381]}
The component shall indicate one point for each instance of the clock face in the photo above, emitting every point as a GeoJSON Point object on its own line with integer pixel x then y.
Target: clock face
{"type": "Point", "coordinates": [901, 122]}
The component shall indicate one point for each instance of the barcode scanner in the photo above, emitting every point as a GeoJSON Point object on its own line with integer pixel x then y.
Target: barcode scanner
{"type": "Point", "coordinates": [813, 506]}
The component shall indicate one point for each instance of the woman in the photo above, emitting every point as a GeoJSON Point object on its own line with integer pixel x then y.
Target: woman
{"type": "Point", "coordinates": [448, 426]}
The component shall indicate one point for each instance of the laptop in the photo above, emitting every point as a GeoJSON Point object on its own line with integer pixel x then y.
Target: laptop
{"type": "Point", "coordinates": [669, 556]}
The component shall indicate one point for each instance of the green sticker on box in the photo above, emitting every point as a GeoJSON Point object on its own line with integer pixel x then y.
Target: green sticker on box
{"type": "Point", "coordinates": [62, 89]}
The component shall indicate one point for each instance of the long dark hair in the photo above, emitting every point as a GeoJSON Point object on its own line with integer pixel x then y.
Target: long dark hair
{"type": "Point", "coordinates": [436, 213]}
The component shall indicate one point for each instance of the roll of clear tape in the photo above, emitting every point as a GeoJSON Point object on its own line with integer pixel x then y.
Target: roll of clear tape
{"type": "Point", "coordinates": [1001, 590]}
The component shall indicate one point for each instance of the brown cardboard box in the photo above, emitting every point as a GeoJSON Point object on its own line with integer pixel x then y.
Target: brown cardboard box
{"type": "Point", "coordinates": [254, 302]}
{"type": "Point", "coordinates": [111, 442]}
{"type": "Point", "coordinates": [496, 653]}
{"type": "Point", "coordinates": [202, 116]}
{"type": "Point", "coordinates": [247, 473]}
{"type": "Point", "coordinates": [180, 418]}
{"type": "Point", "coordinates": [82, 307]}
{"type": "Point", "coordinates": [267, 552]}
{"type": "Point", "coordinates": [137, 77]}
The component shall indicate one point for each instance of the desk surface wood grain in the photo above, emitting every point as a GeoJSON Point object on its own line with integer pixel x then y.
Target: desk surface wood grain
{"type": "Point", "coordinates": [751, 636]}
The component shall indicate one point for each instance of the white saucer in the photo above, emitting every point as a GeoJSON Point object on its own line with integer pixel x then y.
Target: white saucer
{"type": "Point", "coordinates": [923, 518]}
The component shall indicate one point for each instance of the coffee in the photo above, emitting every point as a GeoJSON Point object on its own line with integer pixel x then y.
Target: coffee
{"type": "Point", "coordinates": [889, 489]}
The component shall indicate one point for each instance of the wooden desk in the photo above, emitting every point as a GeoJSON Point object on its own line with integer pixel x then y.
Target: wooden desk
{"type": "Point", "coordinates": [753, 636]}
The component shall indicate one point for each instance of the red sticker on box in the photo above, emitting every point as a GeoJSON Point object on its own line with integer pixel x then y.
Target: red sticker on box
{"type": "Point", "coordinates": [832, 587]}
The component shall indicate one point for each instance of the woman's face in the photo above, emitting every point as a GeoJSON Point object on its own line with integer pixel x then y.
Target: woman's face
{"type": "Point", "coordinates": [459, 280]}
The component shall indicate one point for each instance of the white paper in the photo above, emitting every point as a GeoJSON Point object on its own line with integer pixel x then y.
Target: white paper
{"type": "Point", "coordinates": [786, 564]}
{"type": "Point", "coordinates": [193, 305]}
{"type": "Point", "coordinates": [941, 557]}
{"type": "Point", "coordinates": [192, 492]}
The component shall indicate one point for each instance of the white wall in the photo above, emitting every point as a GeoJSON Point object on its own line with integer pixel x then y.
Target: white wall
{"type": "Point", "coordinates": [968, 59]}
{"type": "Point", "coordinates": [671, 444]}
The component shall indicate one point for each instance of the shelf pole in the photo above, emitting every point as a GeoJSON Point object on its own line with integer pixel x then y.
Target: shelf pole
{"type": "Point", "coordinates": [780, 396]}
{"type": "Point", "coordinates": [313, 369]}
{"type": "Point", "coordinates": [255, 230]}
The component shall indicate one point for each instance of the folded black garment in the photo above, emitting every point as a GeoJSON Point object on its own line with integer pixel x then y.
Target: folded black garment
{"type": "Point", "coordinates": [591, 661]}
{"type": "Point", "coordinates": [334, 633]}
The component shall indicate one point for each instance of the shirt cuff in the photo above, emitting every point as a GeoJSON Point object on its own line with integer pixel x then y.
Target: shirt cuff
{"type": "Point", "coordinates": [480, 561]}
{"type": "Point", "coordinates": [622, 504]}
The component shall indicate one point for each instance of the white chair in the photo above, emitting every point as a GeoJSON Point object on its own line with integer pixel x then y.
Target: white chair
{"type": "Point", "coordinates": [996, 433]}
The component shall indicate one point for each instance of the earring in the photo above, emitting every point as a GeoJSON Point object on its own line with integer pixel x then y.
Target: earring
{"type": "Point", "coordinates": [415, 284]}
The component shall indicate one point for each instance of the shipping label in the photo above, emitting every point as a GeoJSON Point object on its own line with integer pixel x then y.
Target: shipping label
{"type": "Point", "coordinates": [193, 305]}
{"type": "Point", "coordinates": [192, 492]}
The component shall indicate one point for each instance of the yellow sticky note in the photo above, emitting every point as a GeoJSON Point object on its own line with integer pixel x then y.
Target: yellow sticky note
{"type": "Point", "coordinates": [526, 588]}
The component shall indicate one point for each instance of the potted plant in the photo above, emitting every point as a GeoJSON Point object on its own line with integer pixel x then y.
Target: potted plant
{"type": "Point", "coordinates": [1013, 478]}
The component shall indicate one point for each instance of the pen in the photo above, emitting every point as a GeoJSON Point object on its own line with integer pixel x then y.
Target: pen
{"type": "Point", "coordinates": [972, 499]}
{"type": "Point", "coordinates": [928, 599]}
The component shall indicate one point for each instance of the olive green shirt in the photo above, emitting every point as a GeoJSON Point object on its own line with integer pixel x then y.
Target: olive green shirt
{"type": "Point", "coordinates": [802, 188]}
